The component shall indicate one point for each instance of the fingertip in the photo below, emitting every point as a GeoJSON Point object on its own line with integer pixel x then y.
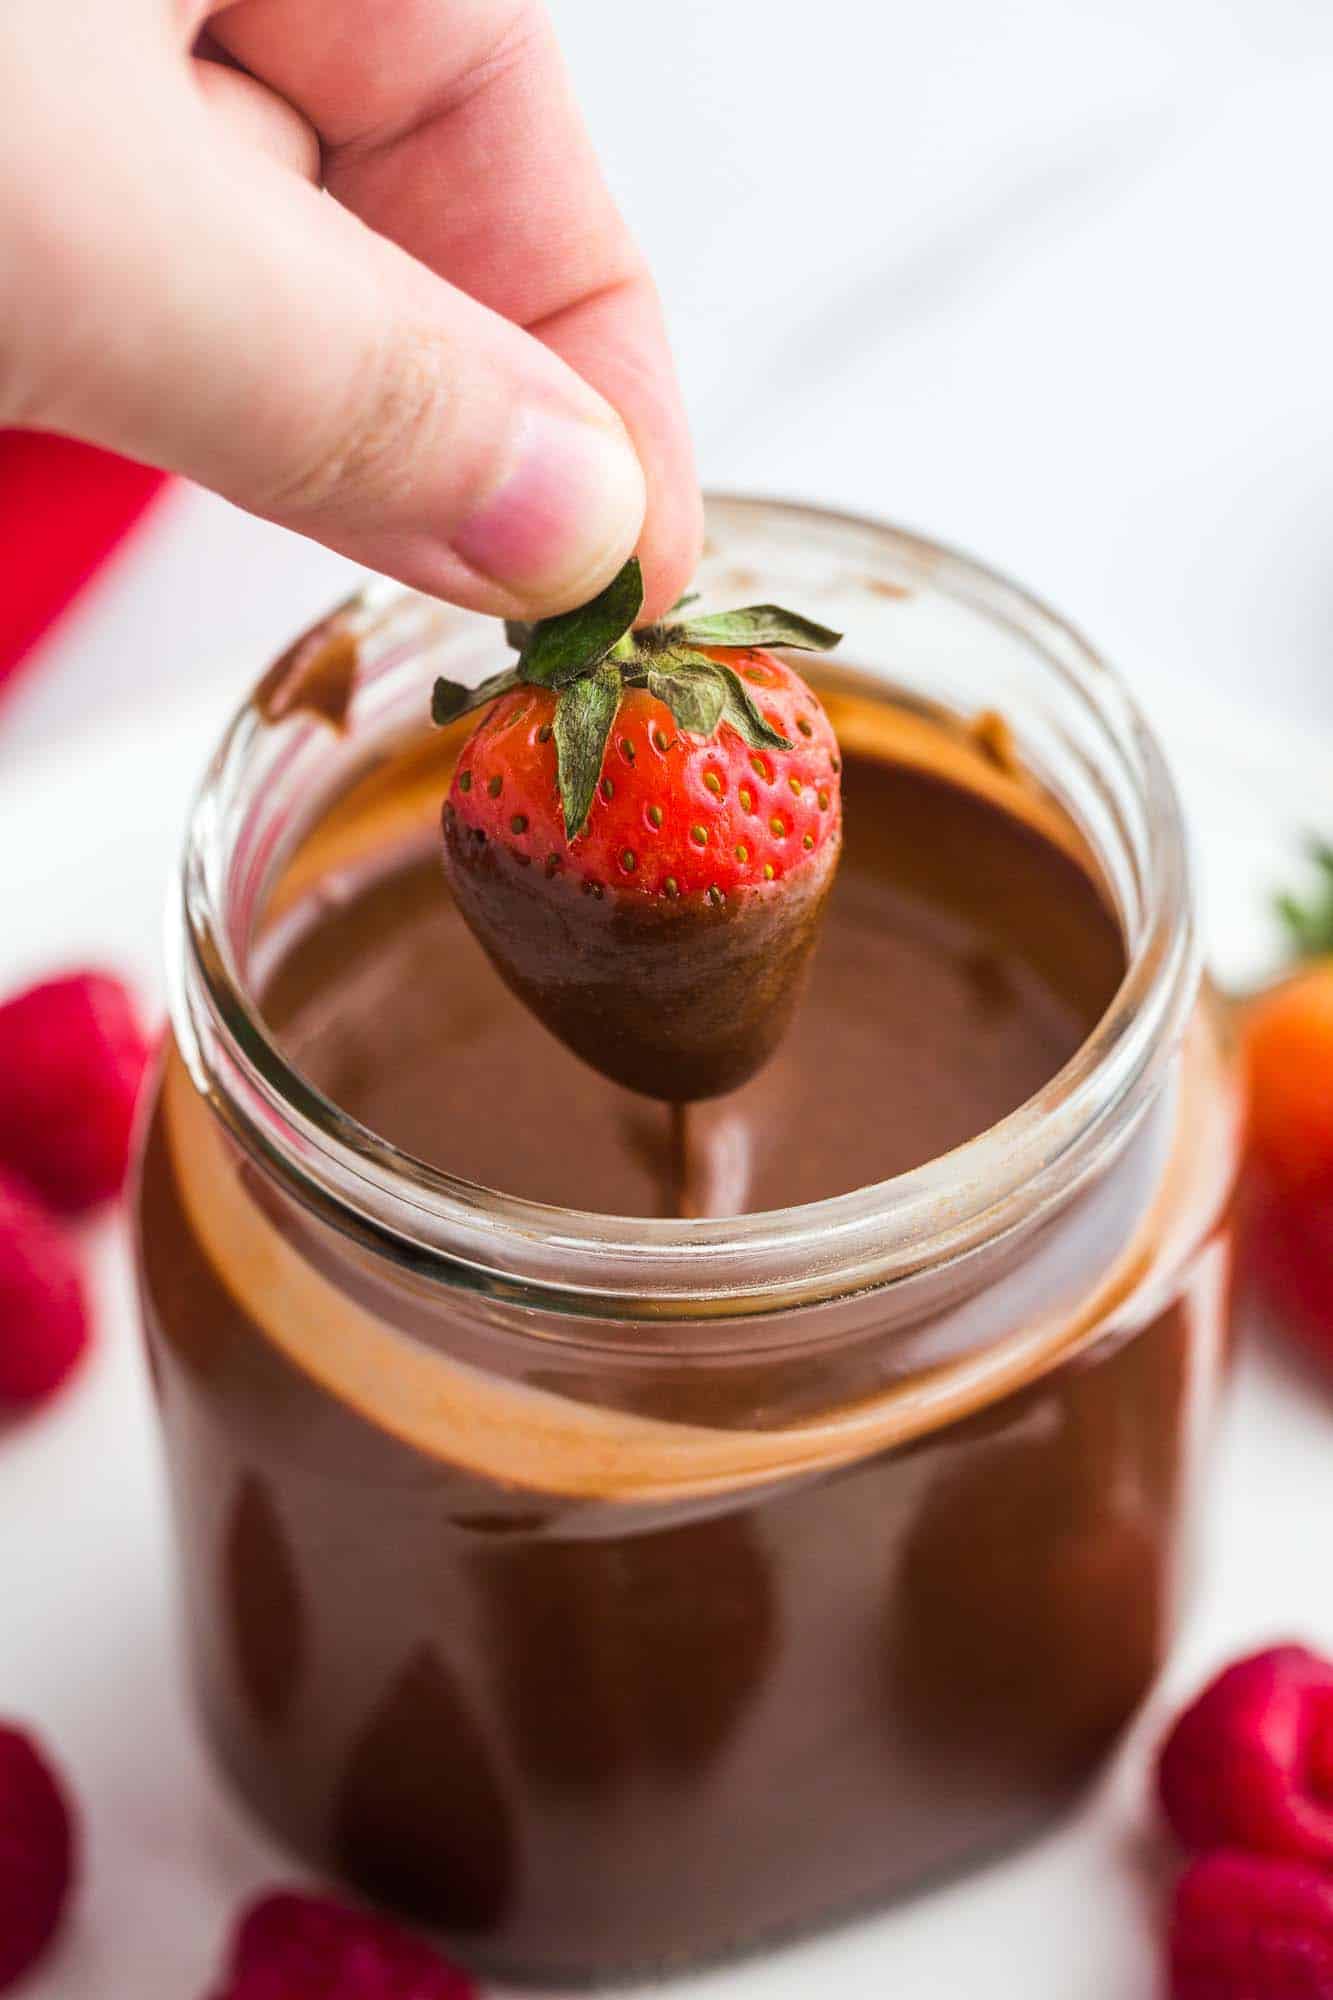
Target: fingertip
{"type": "Point", "coordinates": [671, 547]}
{"type": "Point", "coordinates": [617, 342]}
{"type": "Point", "coordinates": [566, 514]}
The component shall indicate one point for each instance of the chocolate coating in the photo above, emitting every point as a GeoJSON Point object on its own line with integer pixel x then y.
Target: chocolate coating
{"type": "Point", "coordinates": [677, 1000]}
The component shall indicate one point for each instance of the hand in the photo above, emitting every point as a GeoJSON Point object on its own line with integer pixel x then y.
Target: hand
{"type": "Point", "coordinates": [450, 364]}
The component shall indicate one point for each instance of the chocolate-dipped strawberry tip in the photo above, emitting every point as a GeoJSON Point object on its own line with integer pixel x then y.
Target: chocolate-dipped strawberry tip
{"type": "Point", "coordinates": [642, 830]}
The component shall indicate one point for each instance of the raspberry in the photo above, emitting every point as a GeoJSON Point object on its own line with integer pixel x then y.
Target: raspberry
{"type": "Point", "coordinates": [295, 1947]}
{"type": "Point", "coordinates": [36, 1854]}
{"type": "Point", "coordinates": [43, 1317]}
{"type": "Point", "coordinates": [72, 1056]}
{"type": "Point", "coordinates": [1247, 1927]}
{"type": "Point", "coordinates": [1250, 1764]}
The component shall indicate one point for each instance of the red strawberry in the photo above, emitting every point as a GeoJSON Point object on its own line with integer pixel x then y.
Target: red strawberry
{"type": "Point", "coordinates": [1287, 1037]}
{"type": "Point", "coordinates": [36, 1854]}
{"type": "Point", "coordinates": [642, 830]}
{"type": "Point", "coordinates": [72, 1056]}
{"type": "Point", "coordinates": [43, 1315]}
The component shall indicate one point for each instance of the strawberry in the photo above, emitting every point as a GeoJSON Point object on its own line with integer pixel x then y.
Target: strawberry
{"type": "Point", "coordinates": [642, 830]}
{"type": "Point", "coordinates": [1287, 1032]}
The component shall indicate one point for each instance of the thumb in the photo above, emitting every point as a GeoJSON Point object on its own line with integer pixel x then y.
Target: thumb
{"type": "Point", "coordinates": [233, 324]}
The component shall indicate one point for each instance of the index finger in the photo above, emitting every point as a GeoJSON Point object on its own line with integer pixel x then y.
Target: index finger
{"type": "Point", "coordinates": [452, 128]}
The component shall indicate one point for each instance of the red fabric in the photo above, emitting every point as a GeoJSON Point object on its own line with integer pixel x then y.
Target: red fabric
{"type": "Point", "coordinates": [63, 508]}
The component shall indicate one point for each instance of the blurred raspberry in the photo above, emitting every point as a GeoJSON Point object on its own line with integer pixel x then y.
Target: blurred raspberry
{"type": "Point", "coordinates": [36, 1854]}
{"type": "Point", "coordinates": [72, 1057]}
{"type": "Point", "coordinates": [1247, 1927]}
{"type": "Point", "coordinates": [1250, 1764]}
{"type": "Point", "coordinates": [43, 1317]}
{"type": "Point", "coordinates": [296, 1947]}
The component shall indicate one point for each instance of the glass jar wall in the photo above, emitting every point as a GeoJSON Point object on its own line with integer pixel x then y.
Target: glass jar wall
{"type": "Point", "coordinates": [614, 1591]}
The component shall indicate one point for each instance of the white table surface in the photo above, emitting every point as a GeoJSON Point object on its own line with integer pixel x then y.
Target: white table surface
{"type": "Point", "coordinates": [1050, 281]}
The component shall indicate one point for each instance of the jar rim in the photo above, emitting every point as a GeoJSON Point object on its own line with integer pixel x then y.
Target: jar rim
{"type": "Point", "coordinates": [608, 1265]}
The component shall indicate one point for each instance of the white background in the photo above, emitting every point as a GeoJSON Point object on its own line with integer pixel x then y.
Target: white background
{"type": "Point", "coordinates": [1049, 280]}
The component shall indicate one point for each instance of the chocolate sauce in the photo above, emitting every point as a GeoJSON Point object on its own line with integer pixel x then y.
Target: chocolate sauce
{"type": "Point", "coordinates": [589, 1731]}
{"type": "Point", "coordinates": [716, 984]}
{"type": "Point", "coordinates": [317, 675]}
{"type": "Point", "coordinates": [963, 960]}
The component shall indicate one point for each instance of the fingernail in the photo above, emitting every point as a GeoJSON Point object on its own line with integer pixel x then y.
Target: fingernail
{"type": "Point", "coordinates": [565, 514]}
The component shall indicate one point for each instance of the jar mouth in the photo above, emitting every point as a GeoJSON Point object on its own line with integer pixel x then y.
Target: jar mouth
{"type": "Point", "coordinates": [590, 1262]}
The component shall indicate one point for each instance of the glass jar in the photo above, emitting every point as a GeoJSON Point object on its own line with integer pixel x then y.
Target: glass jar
{"type": "Point", "coordinates": [613, 1594]}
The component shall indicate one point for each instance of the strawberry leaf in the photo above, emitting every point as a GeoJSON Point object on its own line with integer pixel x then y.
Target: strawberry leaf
{"type": "Point", "coordinates": [691, 687]}
{"type": "Point", "coordinates": [758, 625]}
{"type": "Point", "coordinates": [583, 717]}
{"type": "Point", "coordinates": [1310, 923]}
{"type": "Point", "coordinates": [450, 699]}
{"type": "Point", "coordinates": [559, 649]}
{"type": "Point", "coordinates": [743, 715]}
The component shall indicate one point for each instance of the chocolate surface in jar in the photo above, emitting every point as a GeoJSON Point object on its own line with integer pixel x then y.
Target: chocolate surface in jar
{"type": "Point", "coordinates": [610, 1626]}
{"type": "Point", "coordinates": [965, 956]}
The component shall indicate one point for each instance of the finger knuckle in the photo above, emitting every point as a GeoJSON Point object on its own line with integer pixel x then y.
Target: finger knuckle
{"type": "Point", "coordinates": [377, 442]}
